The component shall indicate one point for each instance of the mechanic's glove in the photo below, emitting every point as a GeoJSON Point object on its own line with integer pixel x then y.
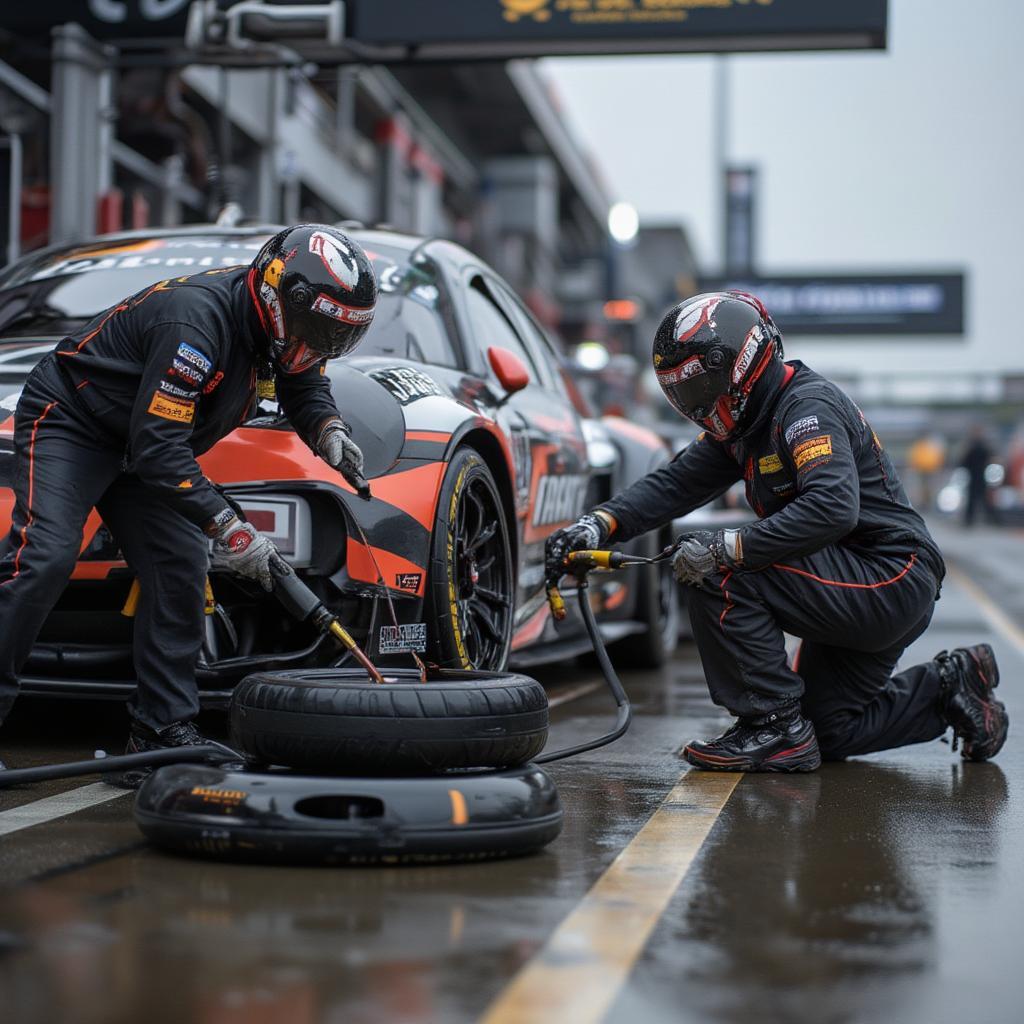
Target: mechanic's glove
{"type": "Point", "coordinates": [589, 532]}
{"type": "Point", "coordinates": [336, 447]}
{"type": "Point", "coordinates": [239, 549]}
{"type": "Point", "coordinates": [703, 553]}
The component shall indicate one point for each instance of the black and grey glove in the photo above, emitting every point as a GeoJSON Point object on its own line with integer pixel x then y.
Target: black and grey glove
{"type": "Point", "coordinates": [239, 549]}
{"type": "Point", "coordinates": [590, 531]}
{"type": "Point", "coordinates": [336, 447]}
{"type": "Point", "coordinates": [702, 553]}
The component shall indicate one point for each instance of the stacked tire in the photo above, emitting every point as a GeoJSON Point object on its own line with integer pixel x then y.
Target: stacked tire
{"type": "Point", "coordinates": [399, 772]}
{"type": "Point", "coordinates": [338, 722]}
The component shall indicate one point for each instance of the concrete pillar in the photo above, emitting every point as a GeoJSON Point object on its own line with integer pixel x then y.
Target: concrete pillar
{"type": "Point", "coordinates": [394, 144]}
{"type": "Point", "coordinates": [427, 183]}
{"type": "Point", "coordinates": [81, 131]}
{"type": "Point", "coordinates": [268, 165]}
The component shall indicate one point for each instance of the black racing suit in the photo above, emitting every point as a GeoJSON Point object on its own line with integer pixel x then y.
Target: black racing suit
{"type": "Point", "coordinates": [838, 557]}
{"type": "Point", "coordinates": [114, 419]}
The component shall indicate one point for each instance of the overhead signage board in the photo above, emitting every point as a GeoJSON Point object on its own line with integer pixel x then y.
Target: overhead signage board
{"type": "Point", "coordinates": [482, 29]}
{"type": "Point", "coordinates": [500, 29]}
{"type": "Point", "coordinates": [857, 303]}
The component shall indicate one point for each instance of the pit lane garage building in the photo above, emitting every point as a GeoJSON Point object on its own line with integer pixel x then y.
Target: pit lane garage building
{"type": "Point", "coordinates": [474, 153]}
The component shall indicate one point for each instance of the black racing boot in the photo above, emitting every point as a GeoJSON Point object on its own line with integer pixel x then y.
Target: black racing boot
{"type": "Point", "coordinates": [782, 741]}
{"type": "Point", "coordinates": [966, 701]}
{"type": "Point", "coordinates": [142, 739]}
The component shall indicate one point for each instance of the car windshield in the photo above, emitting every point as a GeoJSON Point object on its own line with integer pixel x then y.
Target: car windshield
{"type": "Point", "coordinates": [55, 293]}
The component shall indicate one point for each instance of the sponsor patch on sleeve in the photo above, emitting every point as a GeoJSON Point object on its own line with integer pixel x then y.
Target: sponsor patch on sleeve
{"type": "Point", "coordinates": [813, 450]}
{"type": "Point", "coordinates": [770, 463]}
{"type": "Point", "coordinates": [175, 409]}
{"type": "Point", "coordinates": [192, 355]}
{"type": "Point", "coordinates": [186, 371]}
{"type": "Point", "coordinates": [173, 389]}
{"type": "Point", "coordinates": [801, 428]}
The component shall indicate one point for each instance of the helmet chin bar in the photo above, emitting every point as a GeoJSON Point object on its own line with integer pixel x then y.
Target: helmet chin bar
{"type": "Point", "coordinates": [294, 356]}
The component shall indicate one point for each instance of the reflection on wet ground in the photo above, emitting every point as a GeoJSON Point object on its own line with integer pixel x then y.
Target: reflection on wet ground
{"type": "Point", "coordinates": [885, 889]}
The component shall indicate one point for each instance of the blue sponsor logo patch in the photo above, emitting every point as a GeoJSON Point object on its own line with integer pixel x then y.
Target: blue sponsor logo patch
{"type": "Point", "coordinates": [186, 371]}
{"type": "Point", "coordinates": [195, 357]}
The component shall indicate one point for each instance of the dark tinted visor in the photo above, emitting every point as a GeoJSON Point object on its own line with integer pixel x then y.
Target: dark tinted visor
{"type": "Point", "coordinates": [692, 389]}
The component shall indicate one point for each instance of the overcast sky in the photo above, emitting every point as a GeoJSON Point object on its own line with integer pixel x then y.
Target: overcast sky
{"type": "Point", "coordinates": [902, 159]}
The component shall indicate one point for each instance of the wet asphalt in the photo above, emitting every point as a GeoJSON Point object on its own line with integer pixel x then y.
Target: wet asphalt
{"type": "Point", "coordinates": [888, 888]}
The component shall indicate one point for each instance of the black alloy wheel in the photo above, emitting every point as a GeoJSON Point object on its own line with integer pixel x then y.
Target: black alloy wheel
{"type": "Point", "coordinates": [471, 584]}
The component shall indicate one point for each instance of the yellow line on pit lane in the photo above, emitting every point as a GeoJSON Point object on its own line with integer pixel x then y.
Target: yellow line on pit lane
{"type": "Point", "coordinates": [998, 619]}
{"type": "Point", "coordinates": [576, 976]}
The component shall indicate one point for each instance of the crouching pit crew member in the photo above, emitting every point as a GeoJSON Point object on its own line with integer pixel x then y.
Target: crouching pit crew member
{"type": "Point", "coordinates": [114, 418]}
{"type": "Point", "coordinates": [838, 558]}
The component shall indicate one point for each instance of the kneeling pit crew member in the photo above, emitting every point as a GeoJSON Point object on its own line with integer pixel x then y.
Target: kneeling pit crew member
{"type": "Point", "coordinates": [838, 558]}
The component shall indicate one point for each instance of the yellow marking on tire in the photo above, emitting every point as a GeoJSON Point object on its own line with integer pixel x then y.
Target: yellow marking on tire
{"type": "Point", "coordinates": [998, 619]}
{"type": "Point", "coordinates": [453, 603]}
{"type": "Point", "coordinates": [460, 813]}
{"type": "Point", "coordinates": [580, 970]}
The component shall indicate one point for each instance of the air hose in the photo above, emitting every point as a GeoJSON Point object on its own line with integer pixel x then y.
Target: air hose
{"type": "Point", "coordinates": [206, 753]}
{"type": "Point", "coordinates": [580, 564]}
{"type": "Point", "coordinates": [304, 605]}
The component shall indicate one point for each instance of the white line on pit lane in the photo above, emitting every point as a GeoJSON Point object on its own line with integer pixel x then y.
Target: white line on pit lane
{"type": "Point", "coordinates": [574, 694]}
{"type": "Point", "coordinates": [60, 806]}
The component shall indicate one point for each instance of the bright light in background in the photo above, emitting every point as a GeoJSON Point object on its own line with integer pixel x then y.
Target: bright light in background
{"type": "Point", "coordinates": [623, 222]}
{"type": "Point", "coordinates": [591, 355]}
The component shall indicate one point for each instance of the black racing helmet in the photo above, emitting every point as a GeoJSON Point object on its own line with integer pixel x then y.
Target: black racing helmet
{"type": "Point", "coordinates": [315, 291]}
{"type": "Point", "coordinates": [709, 353]}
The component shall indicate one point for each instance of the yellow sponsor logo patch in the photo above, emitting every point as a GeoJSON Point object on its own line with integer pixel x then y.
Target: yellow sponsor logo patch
{"type": "Point", "coordinates": [175, 409]}
{"type": "Point", "coordinates": [769, 464]}
{"type": "Point", "coordinates": [812, 449]}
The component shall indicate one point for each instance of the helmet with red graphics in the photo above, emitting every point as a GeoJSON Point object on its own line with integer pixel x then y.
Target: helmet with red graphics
{"type": "Point", "coordinates": [710, 352]}
{"type": "Point", "coordinates": [315, 293]}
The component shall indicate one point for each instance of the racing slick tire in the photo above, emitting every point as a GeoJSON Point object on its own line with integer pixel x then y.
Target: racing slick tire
{"type": "Point", "coordinates": [471, 593]}
{"type": "Point", "coordinates": [336, 721]}
{"type": "Point", "coordinates": [659, 608]}
{"type": "Point", "coordinates": [285, 818]}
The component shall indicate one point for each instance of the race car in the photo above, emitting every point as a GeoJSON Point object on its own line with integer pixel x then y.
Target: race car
{"type": "Point", "coordinates": [477, 447]}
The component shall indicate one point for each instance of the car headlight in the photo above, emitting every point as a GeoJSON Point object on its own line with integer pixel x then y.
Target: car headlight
{"type": "Point", "coordinates": [601, 453]}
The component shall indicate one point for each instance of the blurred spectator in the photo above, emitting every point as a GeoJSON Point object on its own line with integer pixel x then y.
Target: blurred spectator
{"type": "Point", "coordinates": [975, 460]}
{"type": "Point", "coordinates": [926, 457]}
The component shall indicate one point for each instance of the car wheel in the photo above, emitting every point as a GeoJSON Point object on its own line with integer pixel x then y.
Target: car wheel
{"type": "Point", "coordinates": [659, 609]}
{"type": "Point", "coordinates": [283, 818]}
{"type": "Point", "coordinates": [336, 721]}
{"type": "Point", "coordinates": [471, 586]}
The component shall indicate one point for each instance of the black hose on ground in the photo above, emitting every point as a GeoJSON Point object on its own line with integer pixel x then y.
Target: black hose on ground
{"type": "Point", "coordinates": [625, 711]}
{"type": "Point", "coordinates": [207, 753]}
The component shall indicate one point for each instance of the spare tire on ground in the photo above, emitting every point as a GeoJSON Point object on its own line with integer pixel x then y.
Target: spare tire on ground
{"type": "Point", "coordinates": [284, 818]}
{"type": "Point", "coordinates": [335, 721]}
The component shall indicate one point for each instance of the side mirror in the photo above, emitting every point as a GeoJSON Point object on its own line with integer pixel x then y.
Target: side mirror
{"type": "Point", "coordinates": [508, 368]}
